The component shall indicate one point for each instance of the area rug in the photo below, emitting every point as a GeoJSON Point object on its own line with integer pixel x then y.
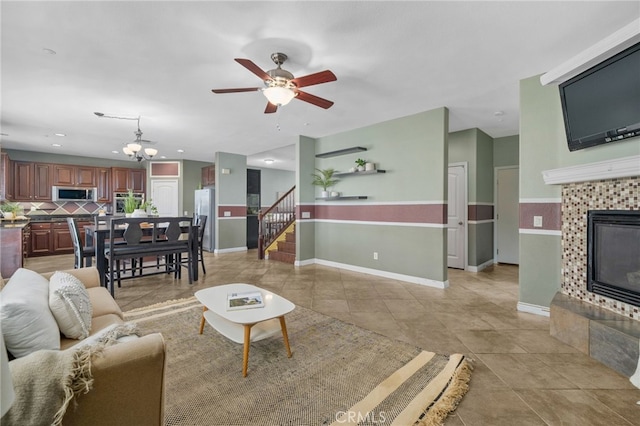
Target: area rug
{"type": "Point", "coordinates": [339, 374]}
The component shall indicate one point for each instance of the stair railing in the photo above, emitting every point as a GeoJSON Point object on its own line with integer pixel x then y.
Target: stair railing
{"type": "Point", "coordinates": [273, 221]}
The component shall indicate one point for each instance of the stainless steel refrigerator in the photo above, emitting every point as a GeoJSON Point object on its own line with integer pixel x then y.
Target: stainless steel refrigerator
{"type": "Point", "coordinates": [205, 204]}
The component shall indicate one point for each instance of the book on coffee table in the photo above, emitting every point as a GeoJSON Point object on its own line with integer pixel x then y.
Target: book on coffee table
{"type": "Point", "coordinates": [246, 300]}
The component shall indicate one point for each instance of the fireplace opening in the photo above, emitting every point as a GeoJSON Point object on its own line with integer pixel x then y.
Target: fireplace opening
{"type": "Point", "coordinates": [613, 260]}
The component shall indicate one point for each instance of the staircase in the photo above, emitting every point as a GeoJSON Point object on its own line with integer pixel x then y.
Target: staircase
{"type": "Point", "coordinates": [286, 248]}
{"type": "Point", "coordinates": [276, 230]}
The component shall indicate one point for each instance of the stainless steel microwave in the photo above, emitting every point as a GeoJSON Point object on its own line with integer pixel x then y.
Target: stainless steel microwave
{"type": "Point", "coordinates": [61, 193]}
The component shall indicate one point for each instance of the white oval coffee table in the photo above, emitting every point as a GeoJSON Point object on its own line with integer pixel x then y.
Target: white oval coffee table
{"type": "Point", "coordinates": [245, 325]}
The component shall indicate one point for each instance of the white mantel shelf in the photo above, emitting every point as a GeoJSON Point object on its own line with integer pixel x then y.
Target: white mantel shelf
{"type": "Point", "coordinates": [610, 169]}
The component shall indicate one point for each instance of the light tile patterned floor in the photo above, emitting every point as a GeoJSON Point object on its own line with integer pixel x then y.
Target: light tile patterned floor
{"type": "Point", "coordinates": [522, 375]}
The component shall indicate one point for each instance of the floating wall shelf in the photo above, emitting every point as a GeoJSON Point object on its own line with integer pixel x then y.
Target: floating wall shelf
{"type": "Point", "coordinates": [341, 152]}
{"type": "Point", "coordinates": [346, 197]}
{"type": "Point", "coordinates": [364, 172]}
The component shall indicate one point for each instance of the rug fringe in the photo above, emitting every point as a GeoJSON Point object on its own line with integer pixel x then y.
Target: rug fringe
{"type": "Point", "coordinates": [458, 387]}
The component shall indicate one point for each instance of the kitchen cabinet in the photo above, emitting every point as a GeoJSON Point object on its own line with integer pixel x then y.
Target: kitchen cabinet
{"type": "Point", "coordinates": [124, 179]}
{"type": "Point", "coordinates": [60, 238]}
{"type": "Point", "coordinates": [11, 254]}
{"type": "Point", "coordinates": [40, 239]}
{"type": "Point", "coordinates": [6, 174]}
{"type": "Point", "coordinates": [138, 180]}
{"type": "Point", "coordinates": [208, 175]}
{"type": "Point", "coordinates": [31, 181]}
{"type": "Point", "coordinates": [68, 175]}
{"type": "Point", "coordinates": [103, 182]}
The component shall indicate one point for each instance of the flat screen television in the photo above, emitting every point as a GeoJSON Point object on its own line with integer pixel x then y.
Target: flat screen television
{"type": "Point", "coordinates": [602, 104]}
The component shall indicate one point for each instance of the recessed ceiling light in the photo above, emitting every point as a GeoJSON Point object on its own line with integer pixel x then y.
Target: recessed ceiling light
{"type": "Point", "coordinates": [115, 152]}
{"type": "Point", "coordinates": [49, 51]}
{"type": "Point", "coordinates": [57, 145]}
{"type": "Point", "coordinates": [181, 151]}
{"type": "Point", "coordinates": [498, 113]}
{"type": "Point", "coordinates": [269, 160]}
{"type": "Point", "coordinates": [163, 156]}
{"type": "Point", "coordinates": [60, 134]}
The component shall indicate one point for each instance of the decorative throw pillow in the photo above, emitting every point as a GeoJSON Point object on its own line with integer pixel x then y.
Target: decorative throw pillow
{"type": "Point", "coordinates": [70, 305]}
{"type": "Point", "coordinates": [27, 322]}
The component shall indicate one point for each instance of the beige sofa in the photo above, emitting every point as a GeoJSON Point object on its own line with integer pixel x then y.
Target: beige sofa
{"type": "Point", "coordinates": [128, 386]}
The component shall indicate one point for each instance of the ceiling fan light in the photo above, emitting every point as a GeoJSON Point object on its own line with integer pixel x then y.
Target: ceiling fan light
{"type": "Point", "coordinates": [150, 152]}
{"type": "Point", "coordinates": [278, 95]}
{"type": "Point", "coordinates": [135, 147]}
{"type": "Point", "coordinates": [127, 151]}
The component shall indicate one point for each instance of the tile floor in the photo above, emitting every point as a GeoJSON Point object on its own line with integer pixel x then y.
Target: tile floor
{"type": "Point", "coordinates": [522, 375]}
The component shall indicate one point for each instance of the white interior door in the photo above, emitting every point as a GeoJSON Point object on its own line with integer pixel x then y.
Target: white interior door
{"type": "Point", "coordinates": [507, 215]}
{"type": "Point", "coordinates": [164, 195]}
{"type": "Point", "coordinates": [457, 207]}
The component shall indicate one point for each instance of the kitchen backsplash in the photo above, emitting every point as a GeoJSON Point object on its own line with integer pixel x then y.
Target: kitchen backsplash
{"type": "Point", "coordinates": [50, 208]}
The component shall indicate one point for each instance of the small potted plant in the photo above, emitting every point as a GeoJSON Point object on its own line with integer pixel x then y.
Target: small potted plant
{"type": "Point", "coordinates": [324, 178]}
{"type": "Point", "coordinates": [130, 204]}
{"type": "Point", "coordinates": [149, 208]}
{"type": "Point", "coordinates": [10, 210]}
{"type": "Point", "coordinates": [361, 164]}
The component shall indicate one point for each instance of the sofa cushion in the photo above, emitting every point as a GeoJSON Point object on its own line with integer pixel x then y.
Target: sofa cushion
{"type": "Point", "coordinates": [97, 324]}
{"type": "Point", "coordinates": [102, 303]}
{"type": "Point", "coordinates": [70, 305]}
{"type": "Point", "coordinates": [27, 323]}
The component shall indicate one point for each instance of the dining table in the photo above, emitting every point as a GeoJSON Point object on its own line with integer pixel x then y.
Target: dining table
{"type": "Point", "coordinates": [97, 236]}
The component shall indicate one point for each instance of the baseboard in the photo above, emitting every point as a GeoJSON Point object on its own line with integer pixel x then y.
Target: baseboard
{"type": "Point", "coordinates": [480, 267]}
{"type": "Point", "coordinates": [533, 309]}
{"type": "Point", "coordinates": [230, 250]}
{"type": "Point", "coordinates": [376, 272]}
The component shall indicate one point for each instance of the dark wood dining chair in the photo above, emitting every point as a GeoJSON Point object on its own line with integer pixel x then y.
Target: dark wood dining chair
{"type": "Point", "coordinates": [80, 251]}
{"type": "Point", "coordinates": [201, 222]}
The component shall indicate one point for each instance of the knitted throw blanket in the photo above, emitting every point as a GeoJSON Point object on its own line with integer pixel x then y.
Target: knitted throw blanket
{"type": "Point", "coordinates": [46, 381]}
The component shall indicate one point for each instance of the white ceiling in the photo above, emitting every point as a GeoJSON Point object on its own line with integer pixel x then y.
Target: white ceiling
{"type": "Point", "coordinates": [160, 60]}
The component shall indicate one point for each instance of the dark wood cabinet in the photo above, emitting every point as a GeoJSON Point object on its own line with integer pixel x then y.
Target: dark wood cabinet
{"type": "Point", "coordinates": [61, 238]}
{"type": "Point", "coordinates": [103, 181]}
{"type": "Point", "coordinates": [40, 239]}
{"type": "Point", "coordinates": [31, 181]}
{"type": "Point", "coordinates": [49, 238]}
{"type": "Point", "coordinates": [208, 175]}
{"type": "Point", "coordinates": [63, 175]}
{"type": "Point", "coordinates": [6, 174]}
{"type": "Point", "coordinates": [67, 175]}
{"type": "Point", "coordinates": [42, 182]}
{"type": "Point", "coordinates": [138, 180]}
{"type": "Point", "coordinates": [22, 181]}
{"type": "Point", "coordinates": [124, 179]}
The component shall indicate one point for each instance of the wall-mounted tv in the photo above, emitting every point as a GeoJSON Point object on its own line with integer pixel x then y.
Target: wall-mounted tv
{"type": "Point", "coordinates": [602, 104]}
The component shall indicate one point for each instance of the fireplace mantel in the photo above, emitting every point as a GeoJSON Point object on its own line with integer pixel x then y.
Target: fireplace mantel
{"type": "Point", "coordinates": [609, 169]}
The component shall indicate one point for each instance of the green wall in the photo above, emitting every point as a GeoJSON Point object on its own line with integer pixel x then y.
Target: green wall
{"type": "Point", "coordinates": [190, 181]}
{"type": "Point", "coordinates": [506, 151]}
{"type": "Point", "coordinates": [543, 146]}
{"type": "Point", "coordinates": [475, 147]}
{"type": "Point", "coordinates": [273, 181]}
{"type": "Point", "coordinates": [231, 190]}
{"type": "Point", "coordinates": [413, 150]}
{"type": "Point", "coordinates": [305, 194]}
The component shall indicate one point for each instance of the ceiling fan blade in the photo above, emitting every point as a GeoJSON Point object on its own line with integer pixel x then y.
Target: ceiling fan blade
{"type": "Point", "coordinates": [312, 99]}
{"type": "Point", "coordinates": [317, 78]}
{"type": "Point", "coordinates": [253, 68]}
{"type": "Point", "coordinates": [271, 108]}
{"type": "Point", "coordinates": [245, 89]}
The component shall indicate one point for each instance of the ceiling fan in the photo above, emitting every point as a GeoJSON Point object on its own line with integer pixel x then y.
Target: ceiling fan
{"type": "Point", "coordinates": [280, 86]}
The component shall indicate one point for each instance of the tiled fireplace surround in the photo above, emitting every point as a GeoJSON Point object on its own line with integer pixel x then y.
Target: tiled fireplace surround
{"type": "Point", "coordinates": [605, 329]}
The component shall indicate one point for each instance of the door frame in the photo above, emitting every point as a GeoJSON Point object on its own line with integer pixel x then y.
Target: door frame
{"type": "Point", "coordinates": [465, 169]}
{"type": "Point", "coordinates": [496, 200]}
